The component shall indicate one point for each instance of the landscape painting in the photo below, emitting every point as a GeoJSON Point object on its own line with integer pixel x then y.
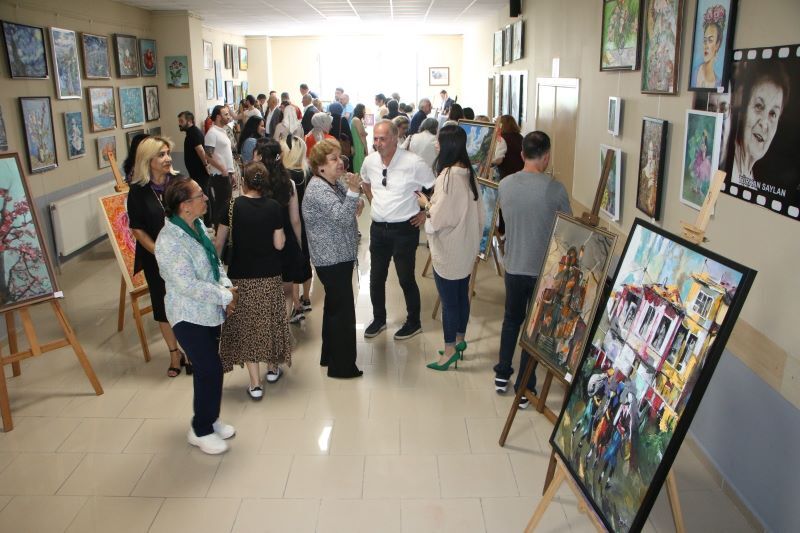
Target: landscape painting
{"type": "Point", "coordinates": [619, 35]}
{"type": "Point", "coordinates": [102, 108]}
{"type": "Point", "coordinates": [65, 63]}
{"type": "Point", "coordinates": [25, 51]}
{"type": "Point", "coordinates": [480, 147]}
{"type": "Point", "coordinates": [131, 106]}
{"type": "Point", "coordinates": [701, 149]}
{"type": "Point", "coordinates": [37, 120]}
{"type": "Point", "coordinates": [95, 56]}
{"type": "Point", "coordinates": [612, 196]}
{"type": "Point", "coordinates": [73, 129]}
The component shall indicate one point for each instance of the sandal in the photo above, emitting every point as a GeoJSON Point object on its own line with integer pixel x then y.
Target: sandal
{"type": "Point", "coordinates": [172, 371]}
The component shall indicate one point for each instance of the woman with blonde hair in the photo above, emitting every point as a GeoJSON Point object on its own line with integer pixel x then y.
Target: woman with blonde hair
{"type": "Point", "coordinates": [152, 172]}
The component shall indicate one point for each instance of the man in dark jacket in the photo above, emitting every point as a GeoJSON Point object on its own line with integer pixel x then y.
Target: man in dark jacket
{"type": "Point", "coordinates": [308, 112]}
{"type": "Point", "coordinates": [421, 114]}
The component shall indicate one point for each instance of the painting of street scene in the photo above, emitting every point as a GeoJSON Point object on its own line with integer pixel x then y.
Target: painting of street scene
{"type": "Point", "coordinates": [653, 350]}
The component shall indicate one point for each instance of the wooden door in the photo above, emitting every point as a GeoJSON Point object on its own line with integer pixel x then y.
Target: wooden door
{"type": "Point", "coordinates": [556, 113]}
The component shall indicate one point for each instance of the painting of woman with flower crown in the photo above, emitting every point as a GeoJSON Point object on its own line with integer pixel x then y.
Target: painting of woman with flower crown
{"type": "Point", "coordinates": [712, 48]}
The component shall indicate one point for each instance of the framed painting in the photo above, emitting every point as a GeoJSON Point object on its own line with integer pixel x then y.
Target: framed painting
{"type": "Point", "coordinates": [497, 51]}
{"type": "Point", "coordinates": [95, 57]}
{"type": "Point", "coordinates": [67, 70]}
{"type": "Point", "coordinates": [514, 96]}
{"type": "Point", "coordinates": [518, 35]}
{"type": "Point", "coordinates": [226, 55]}
{"type": "Point", "coordinates": [237, 94]}
{"type": "Point", "coordinates": [25, 51]}
{"type": "Point", "coordinates": [243, 59]}
{"type": "Point", "coordinates": [177, 71]}
{"type": "Point", "coordinates": [73, 129]}
{"type": "Point", "coordinates": [652, 160]}
{"type": "Point", "coordinates": [208, 55]}
{"type": "Point", "coordinates": [127, 56]}
{"type": "Point", "coordinates": [661, 46]}
{"type": "Point", "coordinates": [234, 61]}
{"type": "Point", "coordinates": [102, 108]}
{"type": "Point", "coordinates": [27, 275]}
{"type": "Point", "coordinates": [154, 131]}
{"type": "Point", "coordinates": [40, 140]}
{"type": "Point", "coordinates": [654, 344]}
{"type": "Point", "coordinates": [148, 58]}
{"type": "Point", "coordinates": [210, 93]}
{"type": "Point", "coordinates": [104, 146]}
{"type": "Point", "coordinates": [498, 94]}
{"type": "Point", "coordinates": [712, 46]}
{"type": "Point", "coordinates": [567, 292]}
{"type": "Point", "coordinates": [218, 78]}
{"type": "Point", "coordinates": [229, 99]}
{"type": "Point", "coordinates": [507, 36]}
{"type": "Point", "coordinates": [701, 149]}
{"type": "Point", "coordinates": [489, 229]}
{"type": "Point", "coordinates": [3, 135]}
{"type": "Point", "coordinates": [612, 196]}
{"type": "Point", "coordinates": [438, 75]}
{"type": "Point", "coordinates": [619, 35]}
{"type": "Point", "coordinates": [129, 136]}
{"type": "Point", "coordinates": [480, 147]}
{"type": "Point", "coordinates": [761, 157]}
{"type": "Point", "coordinates": [245, 89]}
{"type": "Point", "coordinates": [115, 214]}
{"type": "Point", "coordinates": [131, 106]}
{"type": "Point", "coordinates": [614, 112]}
{"type": "Point", "coordinates": [152, 109]}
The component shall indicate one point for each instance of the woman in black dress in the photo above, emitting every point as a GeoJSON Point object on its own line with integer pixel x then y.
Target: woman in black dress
{"type": "Point", "coordinates": [152, 173]}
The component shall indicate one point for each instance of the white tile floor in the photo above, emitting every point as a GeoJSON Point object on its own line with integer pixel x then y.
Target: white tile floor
{"type": "Point", "coordinates": [403, 449]}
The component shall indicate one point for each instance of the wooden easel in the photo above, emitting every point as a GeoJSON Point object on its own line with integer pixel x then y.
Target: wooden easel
{"type": "Point", "coordinates": [696, 233]}
{"type": "Point", "coordinates": [590, 218]}
{"type": "Point", "coordinates": [37, 348]}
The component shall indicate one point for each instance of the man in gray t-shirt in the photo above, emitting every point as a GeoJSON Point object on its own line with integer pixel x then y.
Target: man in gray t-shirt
{"type": "Point", "coordinates": [529, 200]}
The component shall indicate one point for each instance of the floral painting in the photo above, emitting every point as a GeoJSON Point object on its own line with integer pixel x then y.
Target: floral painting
{"type": "Point", "coordinates": [115, 214]}
{"type": "Point", "coordinates": [612, 195]}
{"type": "Point", "coordinates": [177, 71]}
{"type": "Point", "coordinates": [131, 106]}
{"type": "Point", "coordinates": [105, 145]}
{"type": "Point", "coordinates": [95, 56]}
{"type": "Point", "coordinates": [26, 275]}
{"type": "Point", "coordinates": [712, 46]}
{"type": "Point", "coordinates": [662, 44]}
{"type": "Point", "coordinates": [127, 56]}
{"type": "Point", "coordinates": [73, 129]}
{"type": "Point", "coordinates": [37, 119]}
{"type": "Point", "coordinates": [619, 35]}
{"type": "Point", "coordinates": [102, 108]}
{"type": "Point", "coordinates": [152, 108]}
{"type": "Point", "coordinates": [65, 63]}
{"type": "Point", "coordinates": [147, 57]}
{"type": "Point", "coordinates": [701, 149]}
{"type": "Point", "coordinates": [25, 51]}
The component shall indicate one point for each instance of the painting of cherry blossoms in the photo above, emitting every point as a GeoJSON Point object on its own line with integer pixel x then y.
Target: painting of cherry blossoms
{"type": "Point", "coordinates": [26, 275]}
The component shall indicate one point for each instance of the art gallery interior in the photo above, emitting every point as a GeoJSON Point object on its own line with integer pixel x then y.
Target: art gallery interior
{"type": "Point", "coordinates": [404, 448]}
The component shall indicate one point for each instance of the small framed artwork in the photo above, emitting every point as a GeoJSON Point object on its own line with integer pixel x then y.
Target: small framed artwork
{"type": "Point", "coordinates": [701, 150]}
{"type": "Point", "coordinates": [154, 131]}
{"type": "Point", "coordinates": [498, 94]}
{"type": "Point", "coordinates": [127, 56]}
{"type": "Point", "coordinates": [229, 92]}
{"type": "Point", "coordinates": [661, 46]}
{"type": "Point", "coordinates": [237, 94]}
{"type": "Point", "coordinates": [439, 76]}
{"type": "Point", "coordinates": [148, 57]}
{"type": "Point", "coordinates": [612, 196]}
{"type": "Point", "coordinates": [102, 108]}
{"type": "Point", "coordinates": [3, 135]}
{"type": "Point", "coordinates": [130, 135]}
{"type": "Point", "coordinates": [226, 55]}
{"type": "Point", "coordinates": [131, 106]}
{"type": "Point", "coordinates": [208, 55]}
{"type": "Point", "coordinates": [152, 108]}
{"type": "Point", "coordinates": [619, 35]}
{"type": "Point", "coordinates": [489, 229]}
{"type": "Point", "coordinates": [712, 47]}
{"type": "Point", "coordinates": [507, 42]}
{"type": "Point", "coordinates": [614, 112]}
{"type": "Point", "coordinates": [245, 88]}
{"type": "Point", "coordinates": [514, 96]}
{"type": "Point", "coordinates": [480, 147]}
{"type": "Point", "coordinates": [234, 61]}
{"type": "Point", "coordinates": [73, 129]}
{"type": "Point", "coordinates": [66, 67]}
{"type": "Point", "coordinates": [218, 79]}
{"type": "Point", "coordinates": [25, 51]}
{"type": "Point", "coordinates": [104, 146]}
{"type": "Point", "coordinates": [652, 159]}
{"type": "Point", "coordinates": [95, 57]}
{"type": "Point", "coordinates": [497, 53]}
{"type": "Point", "coordinates": [37, 121]}
{"type": "Point", "coordinates": [177, 71]}
{"type": "Point", "coordinates": [243, 59]}
{"type": "Point", "coordinates": [517, 45]}
{"type": "Point", "coordinates": [210, 93]}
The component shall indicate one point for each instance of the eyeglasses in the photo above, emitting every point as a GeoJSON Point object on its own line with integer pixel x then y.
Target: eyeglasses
{"type": "Point", "coordinates": [383, 181]}
{"type": "Point", "coordinates": [193, 198]}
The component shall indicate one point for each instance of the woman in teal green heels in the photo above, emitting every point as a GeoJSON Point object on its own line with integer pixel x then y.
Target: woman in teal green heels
{"type": "Point", "coordinates": [453, 225]}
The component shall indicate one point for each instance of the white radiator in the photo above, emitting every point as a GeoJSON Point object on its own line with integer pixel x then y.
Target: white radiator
{"type": "Point", "coordinates": [76, 219]}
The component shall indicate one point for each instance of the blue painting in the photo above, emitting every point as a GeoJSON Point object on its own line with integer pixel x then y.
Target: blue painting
{"type": "Point", "coordinates": [95, 56]}
{"type": "Point", "coordinates": [218, 76]}
{"type": "Point", "coordinates": [73, 129]}
{"type": "Point", "coordinates": [25, 50]}
{"type": "Point", "coordinates": [147, 57]}
{"type": "Point", "coordinates": [103, 110]}
{"type": "Point", "coordinates": [131, 106]}
{"type": "Point", "coordinates": [65, 63]}
{"type": "Point", "coordinates": [480, 146]}
{"type": "Point", "coordinates": [37, 119]}
{"type": "Point", "coordinates": [713, 39]}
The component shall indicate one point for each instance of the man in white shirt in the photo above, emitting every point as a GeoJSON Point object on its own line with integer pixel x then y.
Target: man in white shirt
{"type": "Point", "coordinates": [220, 160]}
{"type": "Point", "coordinates": [391, 179]}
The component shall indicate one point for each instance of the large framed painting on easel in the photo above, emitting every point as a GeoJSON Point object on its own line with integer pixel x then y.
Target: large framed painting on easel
{"type": "Point", "coordinates": [480, 147]}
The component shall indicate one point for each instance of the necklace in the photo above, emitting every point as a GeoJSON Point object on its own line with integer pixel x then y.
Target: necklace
{"type": "Point", "coordinates": [158, 191]}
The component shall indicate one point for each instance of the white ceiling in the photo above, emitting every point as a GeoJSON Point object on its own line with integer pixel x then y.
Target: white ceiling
{"type": "Point", "coordinates": [313, 17]}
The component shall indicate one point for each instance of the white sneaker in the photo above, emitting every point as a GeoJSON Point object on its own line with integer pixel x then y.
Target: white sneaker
{"type": "Point", "coordinates": [223, 430]}
{"type": "Point", "coordinates": [211, 444]}
{"type": "Point", "coordinates": [273, 375]}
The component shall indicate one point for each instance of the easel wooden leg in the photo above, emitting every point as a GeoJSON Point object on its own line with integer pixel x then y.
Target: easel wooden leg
{"type": "Point", "coordinates": [123, 291]}
{"type": "Point", "coordinates": [76, 346]}
{"type": "Point", "coordinates": [512, 413]}
{"type": "Point", "coordinates": [675, 503]}
{"type": "Point", "coordinates": [548, 380]}
{"type": "Point", "coordinates": [5, 404]}
{"type": "Point", "coordinates": [137, 318]}
{"type": "Point", "coordinates": [551, 470]}
{"type": "Point", "coordinates": [549, 494]}
{"type": "Point", "coordinates": [427, 265]}
{"type": "Point", "coordinates": [11, 331]}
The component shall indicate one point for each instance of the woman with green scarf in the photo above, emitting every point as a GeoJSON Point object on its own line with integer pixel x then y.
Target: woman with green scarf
{"type": "Point", "coordinates": [199, 296]}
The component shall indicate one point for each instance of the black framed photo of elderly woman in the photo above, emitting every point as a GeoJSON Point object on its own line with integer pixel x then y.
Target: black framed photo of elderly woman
{"type": "Point", "coordinates": [762, 161]}
{"type": "Point", "coordinates": [712, 48]}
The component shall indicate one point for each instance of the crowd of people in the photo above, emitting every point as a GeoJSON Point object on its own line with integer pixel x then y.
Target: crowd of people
{"type": "Point", "coordinates": [274, 189]}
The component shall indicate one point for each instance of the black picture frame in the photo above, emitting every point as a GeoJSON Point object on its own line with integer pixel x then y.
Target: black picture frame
{"type": "Point", "coordinates": [725, 53]}
{"type": "Point", "coordinates": [650, 183]}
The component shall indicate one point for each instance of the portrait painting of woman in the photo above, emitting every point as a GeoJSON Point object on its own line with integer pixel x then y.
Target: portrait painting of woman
{"type": "Point", "coordinates": [713, 32]}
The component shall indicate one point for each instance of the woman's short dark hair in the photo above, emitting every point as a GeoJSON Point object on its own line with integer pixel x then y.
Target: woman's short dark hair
{"type": "Point", "coordinates": [469, 114]}
{"type": "Point", "coordinates": [130, 161]}
{"type": "Point", "coordinates": [535, 145]}
{"type": "Point", "coordinates": [250, 129]}
{"type": "Point", "coordinates": [359, 111]}
{"type": "Point", "coordinates": [255, 176]}
{"type": "Point", "coordinates": [456, 113]}
{"type": "Point", "coordinates": [178, 191]}
{"type": "Point", "coordinates": [453, 150]}
{"type": "Point", "coordinates": [393, 106]}
{"type": "Point", "coordinates": [278, 184]}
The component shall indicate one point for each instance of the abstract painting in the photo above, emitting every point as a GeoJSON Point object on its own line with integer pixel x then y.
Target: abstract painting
{"type": "Point", "coordinates": [131, 106]}
{"type": "Point", "coordinates": [712, 48]}
{"type": "Point", "coordinates": [208, 55]}
{"type": "Point", "coordinates": [152, 108]}
{"type": "Point", "coordinates": [73, 129]}
{"type": "Point", "coordinates": [127, 56]}
{"type": "Point", "coordinates": [218, 78]}
{"type": "Point", "coordinates": [105, 145]}
{"type": "Point", "coordinates": [517, 45]}
{"type": "Point", "coordinates": [701, 149]}
{"type": "Point", "coordinates": [3, 135]}
{"type": "Point", "coordinates": [568, 289]}
{"type": "Point", "coordinates": [26, 274]}
{"type": "Point", "coordinates": [243, 61]}
{"type": "Point", "coordinates": [37, 120]}
{"type": "Point", "coordinates": [25, 51]}
{"type": "Point", "coordinates": [148, 57]}
{"type": "Point", "coordinates": [619, 35]}
{"type": "Point", "coordinates": [661, 46]}
{"type": "Point", "coordinates": [95, 56]}
{"type": "Point", "coordinates": [497, 51]}
{"type": "Point", "coordinates": [652, 159]}
{"type": "Point", "coordinates": [102, 108]}
{"type": "Point", "coordinates": [655, 342]}
{"type": "Point", "coordinates": [614, 112]}
{"type": "Point", "coordinates": [65, 63]}
{"type": "Point", "coordinates": [177, 71]}
{"type": "Point", "coordinates": [480, 147]}
{"type": "Point", "coordinates": [612, 196]}
{"type": "Point", "coordinates": [115, 214]}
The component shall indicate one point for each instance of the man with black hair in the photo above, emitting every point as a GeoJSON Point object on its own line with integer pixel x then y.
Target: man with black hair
{"type": "Point", "coordinates": [261, 103]}
{"type": "Point", "coordinates": [380, 103]}
{"type": "Point", "coordinates": [304, 90]}
{"type": "Point", "coordinates": [194, 156]}
{"type": "Point", "coordinates": [220, 157]}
